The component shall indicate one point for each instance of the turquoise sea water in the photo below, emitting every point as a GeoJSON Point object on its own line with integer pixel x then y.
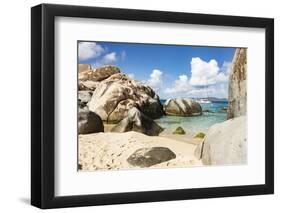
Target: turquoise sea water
{"type": "Point", "coordinates": [196, 123]}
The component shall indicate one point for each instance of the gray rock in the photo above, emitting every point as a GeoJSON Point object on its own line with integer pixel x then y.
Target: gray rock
{"type": "Point", "coordinates": [225, 143]}
{"type": "Point", "coordinates": [182, 107]}
{"type": "Point", "coordinates": [88, 122]}
{"type": "Point", "coordinates": [237, 95]}
{"type": "Point", "coordinates": [138, 122]}
{"type": "Point", "coordinates": [146, 157]}
{"type": "Point", "coordinates": [84, 97]}
{"type": "Point", "coordinates": [116, 95]}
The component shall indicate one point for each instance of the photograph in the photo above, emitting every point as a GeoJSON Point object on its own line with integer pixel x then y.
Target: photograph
{"type": "Point", "coordinates": [133, 105]}
{"type": "Point", "coordinates": [143, 105]}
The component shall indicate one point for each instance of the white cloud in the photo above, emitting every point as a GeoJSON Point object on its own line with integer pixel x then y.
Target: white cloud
{"type": "Point", "coordinates": [217, 90]}
{"type": "Point", "coordinates": [87, 50]}
{"type": "Point", "coordinates": [107, 59]}
{"type": "Point", "coordinates": [131, 75]}
{"type": "Point", "coordinates": [181, 85]}
{"type": "Point", "coordinates": [203, 92]}
{"type": "Point", "coordinates": [110, 57]}
{"type": "Point", "coordinates": [207, 79]}
{"type": "Point", "coordinates": [155, 80]}
{"type": "Point", "coordinates": [206, 73]}
{"type": "Point", "coordinates": [226, 67]}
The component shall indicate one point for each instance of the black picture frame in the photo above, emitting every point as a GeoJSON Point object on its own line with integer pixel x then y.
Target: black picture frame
{"type": "Point", "coordinates": [43, 102]}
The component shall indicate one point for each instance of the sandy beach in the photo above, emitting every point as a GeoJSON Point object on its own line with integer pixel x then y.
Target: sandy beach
{"type": "Point", "coordinates": [107, 151]}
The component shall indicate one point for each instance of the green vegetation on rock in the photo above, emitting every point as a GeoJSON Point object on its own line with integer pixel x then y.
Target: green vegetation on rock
{"type": "Point", "coordinates": [199, 135]}
{"type": "Point", "coordinates": [179, 131]}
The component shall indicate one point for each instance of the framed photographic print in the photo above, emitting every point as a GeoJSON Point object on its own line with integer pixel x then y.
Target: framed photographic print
{"type": "Point", "coordinates": [140, 106]}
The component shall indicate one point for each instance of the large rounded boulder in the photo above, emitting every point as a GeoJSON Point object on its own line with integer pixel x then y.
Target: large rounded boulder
{"type": "Point", "coordinates": [88, 122]}
{"type": "Point", "coordinates": [138, 122]}
{"type": "Point", "coordinates": [115, 96]}
{"type": "Point", "coordinates": [182, 107]}
{"type": "Point", "coordinates": [225, 143]}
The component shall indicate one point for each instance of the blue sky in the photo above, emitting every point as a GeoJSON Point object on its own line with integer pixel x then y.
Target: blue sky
{"type": "Point", "coordinates": [171, 70]}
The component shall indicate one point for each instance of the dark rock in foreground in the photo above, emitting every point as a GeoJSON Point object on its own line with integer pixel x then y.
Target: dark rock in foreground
{"type": "Point", "coordinates": [182, 107]}
{"type": "Point", "coordinates": [146, 157]}
{"type": "Point", "coordinates": [88, 122]}
{"type": "Point", "coordinates": [138, 122]}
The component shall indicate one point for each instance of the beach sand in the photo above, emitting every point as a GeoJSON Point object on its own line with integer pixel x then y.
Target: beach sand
{"type": "Point", "coordinates": [110, 151]}
{"type": "Point", "coordinates": [188, 137]}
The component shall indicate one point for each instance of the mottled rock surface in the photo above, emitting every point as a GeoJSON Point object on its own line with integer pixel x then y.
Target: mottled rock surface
{"type": "Point", "coordinates": [225, 143]}
{"type": "Point", "coordinates": [146, 157]}
{"type": "Point", "coordinates": [115, 96]}
{"type": "Point", "coordinates": [84, 67]}
{"type": "Point", "coordinates": [84, 97]}
{"type": "Point", "coordinates": [97, 74]}
{"type": "Point", "coordinates": [182, 107]}
{"type": "Point", "coordinates": [138, 122]}
{"type": "Point", "coordinates": [87, 85]}
{"type": "Point", "coordinates": [83, 70]}
{"type": "Point", "coordinates": [88, 122]}
{"type": "Point", "coordinates": [237, 95]}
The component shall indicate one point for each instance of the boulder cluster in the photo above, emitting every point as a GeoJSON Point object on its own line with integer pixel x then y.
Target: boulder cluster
{"type": "Point", "coordinates": [107, 96]}
{"type": "Point", "coordinates": [118, 99]}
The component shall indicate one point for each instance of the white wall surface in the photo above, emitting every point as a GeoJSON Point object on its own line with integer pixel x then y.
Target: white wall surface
{"type": "Point", "coordinates": [15, 105]}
